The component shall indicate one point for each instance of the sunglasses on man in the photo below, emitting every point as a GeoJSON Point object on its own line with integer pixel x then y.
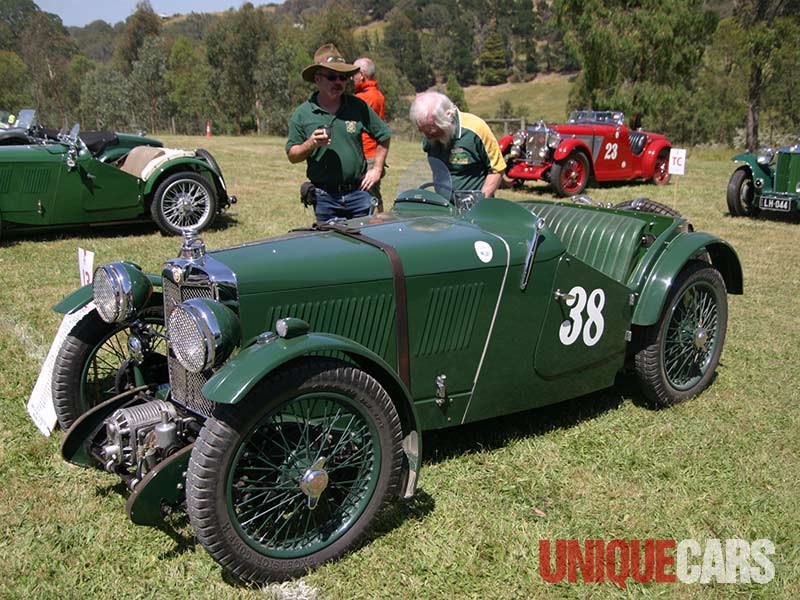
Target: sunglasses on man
{"type": "Point", "coordinates": [333, 77]}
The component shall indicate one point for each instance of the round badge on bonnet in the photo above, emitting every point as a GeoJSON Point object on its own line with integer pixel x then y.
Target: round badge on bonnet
{"type": "Point", "coordinates": [484, 251]}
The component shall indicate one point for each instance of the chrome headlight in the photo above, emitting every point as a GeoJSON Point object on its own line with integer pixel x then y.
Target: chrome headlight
{"type": "Point", "coordinates": [519, 138]}
{"type": "Point", "coordinates": [553, 139]}
{"type": "Point", "coordinates": [765, 155]}
{"type": "Point", "coordinates": [120, 290]}
{"type": "Point", "coordinates": [202, 333]}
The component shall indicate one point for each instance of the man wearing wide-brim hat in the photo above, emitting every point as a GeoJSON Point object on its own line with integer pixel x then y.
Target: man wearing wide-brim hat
{"type": "Point", "coordinates": [325, 131]}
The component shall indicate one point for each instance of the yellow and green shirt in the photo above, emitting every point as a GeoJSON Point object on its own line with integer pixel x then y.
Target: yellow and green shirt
{"type": "Point", "coordinates": [472, 154]}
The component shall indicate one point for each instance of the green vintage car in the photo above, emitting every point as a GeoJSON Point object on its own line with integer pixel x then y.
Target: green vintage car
{"type": "Point", "coordinates": [283, 398]}
{"type": "Point", "coordinates": [52, 179]}
{"type": "Point", "coordinates": [765, 182]}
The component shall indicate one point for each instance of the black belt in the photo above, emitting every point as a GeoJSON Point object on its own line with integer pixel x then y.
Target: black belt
{"type": "Point", "coordinates": [341, 188]}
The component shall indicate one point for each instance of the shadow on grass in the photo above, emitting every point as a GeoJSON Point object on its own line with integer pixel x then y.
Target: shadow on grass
{"type": "Point", "coordinates": [176, 526]}
{"type": "Point", "coordinates": [498, 432]}
{"type": "Point", "coordinates": [13, 237]}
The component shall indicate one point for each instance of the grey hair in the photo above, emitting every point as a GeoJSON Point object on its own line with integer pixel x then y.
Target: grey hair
{"type": "Point", "coordinates": [433, 103]}
{"type": "Point", "coordinates": [367, 67]}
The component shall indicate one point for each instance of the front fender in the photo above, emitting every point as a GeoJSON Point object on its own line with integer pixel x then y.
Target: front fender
{"type": "Point", "coordinates": [239, 375]}
{"type": "Point", "coordinates": [186, 163]}
{"type": "Point", "coordinates": [757, 170]}
{"type": "Point", "coordinates": [83, 295]}
{"type": "Point", "coordinates": [651, 155]}
{"type": "Point", "coordinates": [680, 250]}
{"type": "Point", "coordinates": [566, 147]}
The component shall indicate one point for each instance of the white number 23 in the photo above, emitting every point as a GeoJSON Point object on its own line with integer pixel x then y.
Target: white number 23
{"type": "Point", "coordinates": [592, 328]}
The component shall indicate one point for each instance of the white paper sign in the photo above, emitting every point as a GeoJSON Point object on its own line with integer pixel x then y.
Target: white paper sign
{"type": "Point", "coordinates": [677, 161]}
{"type": "Point", "coordinates": [85, 265]}
{"type": "Point", "coordinates": [40, 404]}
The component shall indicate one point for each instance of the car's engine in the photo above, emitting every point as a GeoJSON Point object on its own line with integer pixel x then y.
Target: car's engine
{"type": "Point", "coordinates": [139, 437]}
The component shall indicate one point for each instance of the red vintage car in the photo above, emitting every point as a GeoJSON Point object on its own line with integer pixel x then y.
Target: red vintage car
{"type": "Point", "coordinates": [592, 143]}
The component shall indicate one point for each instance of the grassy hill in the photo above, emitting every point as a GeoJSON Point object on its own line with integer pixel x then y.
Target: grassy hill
{"type": "Point", "coordinates": [544, 97]}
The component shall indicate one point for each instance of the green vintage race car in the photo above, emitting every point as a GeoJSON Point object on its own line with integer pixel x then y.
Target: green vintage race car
{"type": "Point", "coordinates": [764, 182]}
{"type": "Point", "coordinates": [52, 179]}
{"type": "Point", "coordinates": [282, 399]}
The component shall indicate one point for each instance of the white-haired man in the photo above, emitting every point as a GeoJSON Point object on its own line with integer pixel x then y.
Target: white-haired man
{"type": "Point", "coordinates": [460, 140]}
{"type": "Point", "coordinates": [366, 87]}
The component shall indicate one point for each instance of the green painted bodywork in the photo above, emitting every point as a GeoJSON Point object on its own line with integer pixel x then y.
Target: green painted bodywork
{"type": "Point", "coordinates": [777, 182]}
{"type": "Point", "coordinates": [38, 189]}
{"type": "Point", "coordinates": [480, 343]}
{"type": "Point", "coordinates": [497, 345]}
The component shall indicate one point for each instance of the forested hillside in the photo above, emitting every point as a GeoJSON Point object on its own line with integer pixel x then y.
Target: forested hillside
{"type": "Point", "coordinates": [700, 71]}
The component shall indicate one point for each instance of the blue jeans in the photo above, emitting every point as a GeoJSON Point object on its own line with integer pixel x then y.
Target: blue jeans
{"type": "Point", "coordinates": [335, 204]}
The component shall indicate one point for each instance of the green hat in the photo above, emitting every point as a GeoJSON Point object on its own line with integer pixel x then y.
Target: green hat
{"type": "Point", "coordinates": [328, 57]}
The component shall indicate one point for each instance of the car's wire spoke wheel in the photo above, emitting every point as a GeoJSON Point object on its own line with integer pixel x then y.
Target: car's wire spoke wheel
{"type": "Point", "coordinates": [692, 335]}
{"type": "Point", "coordinates": [293, 475]}
{"type": "Point", "coordinates": [679, 355]}
{"type": "Point", "coordinates": [184, 201]}
{"type": "Point", "coordinates": [93, 363]}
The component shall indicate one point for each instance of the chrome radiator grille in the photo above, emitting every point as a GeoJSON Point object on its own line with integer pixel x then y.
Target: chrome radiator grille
{"type": "Point", "coordinates": [186, 386]}
{"type": "Point", "coordinates": [536, 147]}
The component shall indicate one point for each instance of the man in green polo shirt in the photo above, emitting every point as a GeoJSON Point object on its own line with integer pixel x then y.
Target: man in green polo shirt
{"type": "Point", "coordinates": [460, 140]}
{"type": "Point", "coordinates": [325, 131]}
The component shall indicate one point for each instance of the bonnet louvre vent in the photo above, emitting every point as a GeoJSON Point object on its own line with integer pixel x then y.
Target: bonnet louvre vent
{"type": "Point", "coordinates": [450, 319]}
{"type": "Point", "coordinates": [367, 319]}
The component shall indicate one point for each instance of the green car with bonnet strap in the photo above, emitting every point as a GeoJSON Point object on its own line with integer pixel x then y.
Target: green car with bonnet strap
{"type": "Point", "coordinates": [282, 399]}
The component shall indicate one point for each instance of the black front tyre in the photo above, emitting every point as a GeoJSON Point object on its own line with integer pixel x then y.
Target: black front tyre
{"type": "Point", "coordinates": [92, 364]}
{"type": "Point", "coordinates": [184, 200]}
{"type": "Point", "coordinates": [293, 475]}
{"type": "Point", "coordinates": [741, 194]}
{"type": "Point", "coordinates": [679, 355]}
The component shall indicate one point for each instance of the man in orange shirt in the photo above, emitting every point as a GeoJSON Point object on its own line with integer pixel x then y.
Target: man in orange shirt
{"type": "Point", "coordinates": [367, 90]}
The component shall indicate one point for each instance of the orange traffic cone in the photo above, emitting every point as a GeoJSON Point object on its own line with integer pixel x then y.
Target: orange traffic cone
{"type": "Point", "coordinates": [208, 128]}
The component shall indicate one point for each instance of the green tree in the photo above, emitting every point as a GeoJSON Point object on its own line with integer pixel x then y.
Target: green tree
{"type": "Point", "coordinates": [757, 18]}
{"type": "Point", "coordinates": [142, 24]}
{"type": "Point", "coordinates": [105, 101]}
{"type": "Point", "coordinates": [782, 93]}
{"type": "Point", "coordinates": [721, 99]}
{"type": "Point", "coordinates": [232, 46]}
{"type": "Point", "coordinates": [455, 92]}
{"type": "Point", "coordinates": [147, 84]}
{"type": "Point", "coordinates": [47, 50]}
{"type": "Point", "coordinates": [188, 79]}
{"type": "Point", "coordinates": [96, 40]}
{"type": "Point", "coordinates": [492, 61]}
{"type": "Point", "coordinates": [279, 85]}
{"type": "Point", "coordinates": [14, 82]}
{"type": "Point", "coordinates": [639, 56]}
{"type": "Point", "coordinates": [14, 16]}
{"type": "Point", "coordinates": [403, 44]}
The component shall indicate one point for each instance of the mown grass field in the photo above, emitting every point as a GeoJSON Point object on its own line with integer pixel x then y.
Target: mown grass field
{"type": "Point", "coordinates": [723, 465]}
